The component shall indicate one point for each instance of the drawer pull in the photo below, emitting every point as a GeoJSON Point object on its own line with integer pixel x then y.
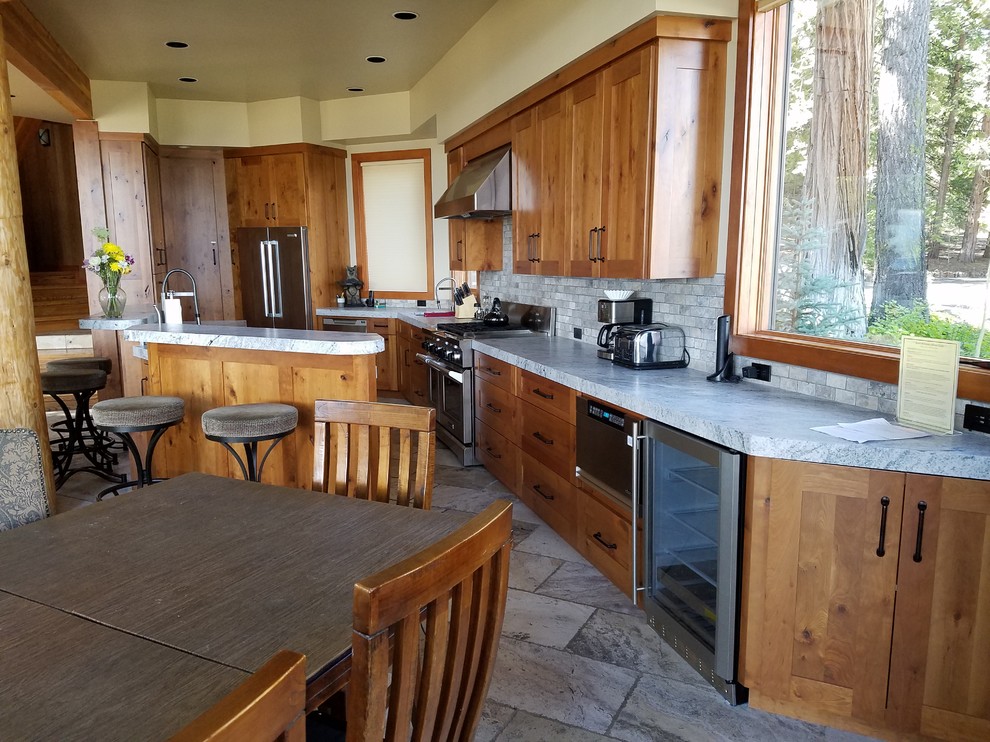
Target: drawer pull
{"type": "Point", "coordinates": [922, 507]}
{"type": "Point", "coordinates": [493, 371]}
{"type": "Point", "coordinates": [545, 395]}
{"type": "Point", "coordinates": [493, 408]}
{"type": "Point", "coordinates": [541, 493]}
{"type": "Point", "coordinates": [492, 453]}
{"type": "Point", "coordinates": [884, 502]}
{"type": "Point", "coordinates": [598, 537]}
{"type": "Point", "coordinates": [542, 438]}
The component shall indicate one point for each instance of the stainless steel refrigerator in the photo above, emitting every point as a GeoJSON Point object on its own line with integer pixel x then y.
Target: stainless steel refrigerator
{"type": "Point", "coordinates": [274, 264]}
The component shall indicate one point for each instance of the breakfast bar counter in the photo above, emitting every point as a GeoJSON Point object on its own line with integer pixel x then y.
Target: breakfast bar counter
{"type": "Point", "coordinates": [215, 365]}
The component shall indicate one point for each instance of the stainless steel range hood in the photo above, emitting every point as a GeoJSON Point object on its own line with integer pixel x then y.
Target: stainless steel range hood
{"type": "Point", "coordinates": [481, 190]}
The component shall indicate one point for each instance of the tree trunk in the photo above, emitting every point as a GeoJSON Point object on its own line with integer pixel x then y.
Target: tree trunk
{"type": "Point", "coordinates": [901, 155]}
{"type": "Point", "coordinates": [837, 149]}
{"type": "Point", "coordinates": [977, 200]}
{"type": "Point", "coordinates": [948, 144]}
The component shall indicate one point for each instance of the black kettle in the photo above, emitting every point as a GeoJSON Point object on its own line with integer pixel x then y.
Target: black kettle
{"type": "Point", "coordinates": [496, 317]}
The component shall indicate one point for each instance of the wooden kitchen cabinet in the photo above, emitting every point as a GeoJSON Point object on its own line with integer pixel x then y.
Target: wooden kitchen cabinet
{"type": "Point", "coordinates": [547, 438]}
{"type": "Point", "coordinates": [475, 244]}
{"type": "Point", "coordinates": [413, 376]}
{"type": "Point", "coordinates": [605, 536]}
{"type": "Point", "coordinates": [386, 363]}
{"type": "Point", "coordinates": [549, 396]}
{"type": "Point", "coordinates": [271, 190]}
{"type": "Point", "coordinates": [498, 455]}
{"type": "Point", "coordinates": [496, 408]}
{"type": "Point", "coordinates": [828, 549]}
{"type": "Point", "coordinates": [550, 496]}
{"type": "Point", "coordinates": [539, 176]}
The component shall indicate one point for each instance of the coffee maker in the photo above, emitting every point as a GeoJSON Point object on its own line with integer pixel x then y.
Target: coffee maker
{"type": "Point", "coordinates": [617, 313]}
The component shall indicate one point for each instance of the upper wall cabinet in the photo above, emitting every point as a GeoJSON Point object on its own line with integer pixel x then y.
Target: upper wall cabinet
{"type": "Point", "coordinates": [617, 158]}
{"type": "Point", "coordinates": [475, 244]}
{"type": "Point", "coordinates": [272, 190]}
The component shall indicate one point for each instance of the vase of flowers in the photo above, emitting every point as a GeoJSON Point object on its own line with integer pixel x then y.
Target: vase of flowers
{"type": "Point", "coordinates": [110, 262]}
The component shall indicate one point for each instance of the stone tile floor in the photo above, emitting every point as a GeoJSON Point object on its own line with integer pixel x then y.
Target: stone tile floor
{"type": "Point", "coordinates": [577, 661]}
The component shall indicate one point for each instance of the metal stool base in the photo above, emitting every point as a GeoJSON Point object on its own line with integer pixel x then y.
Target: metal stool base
{"type": "Point", "coordinates": [144, 476]}
{"type": "Point", "coordinates": [249, 471]}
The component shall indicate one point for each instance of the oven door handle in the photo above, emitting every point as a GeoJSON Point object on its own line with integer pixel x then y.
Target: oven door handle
{"type": "Point", "coordinates": [457, 376]}
{"type": "Point", "coordinates": [636, 441]}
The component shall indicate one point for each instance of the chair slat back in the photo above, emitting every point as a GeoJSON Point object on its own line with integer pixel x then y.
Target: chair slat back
{"type": "Point", "coordinates": [426, 633]}
{"type": "Point", "coordinates": [375, 451]}
{"type": "Point", "coordinates": [269, 705]}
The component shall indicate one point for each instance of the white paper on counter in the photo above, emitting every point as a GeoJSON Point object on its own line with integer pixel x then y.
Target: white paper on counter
{"type": "Point", "coordinates": [874, 429]}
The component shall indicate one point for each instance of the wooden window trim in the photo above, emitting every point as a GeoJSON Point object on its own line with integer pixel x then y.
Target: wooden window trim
{"type": "Point", "coordinates": [360, 226]}
{"type": "Point", "coordinates": [760, 77]}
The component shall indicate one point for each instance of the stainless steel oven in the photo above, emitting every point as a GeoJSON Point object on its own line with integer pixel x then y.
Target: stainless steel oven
{"type": "Point", "coordinates": [451, 392]}
{"type": "Point", "coordinates": [692, 534]}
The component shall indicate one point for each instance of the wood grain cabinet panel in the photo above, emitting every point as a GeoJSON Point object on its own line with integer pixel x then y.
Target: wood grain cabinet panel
{"type": "Point", "coordinates": [547, 438]}
{"type": "Point", "coordinates": [551, 497]}
{"type": "Point", "coordinates": [495, 372]}
{"type": "Point", "coordinates": [547, 395]}
{"type": "Point", "coordinates": [475, 244]}
{"type": "Point", "coordinates": [605, 538]}
{"type": "Point", "coordinates": [496, 408]}
{"type": "Point", "coordinates": [498, 455]}
{"type": "Point", "coordinates": [413, 374]}
{"type": "Point", "coordinates": [866, 605]}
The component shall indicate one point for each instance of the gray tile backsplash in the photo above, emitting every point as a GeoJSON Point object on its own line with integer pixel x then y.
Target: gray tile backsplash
{"type": "Point", "coordinates": [692, 303]}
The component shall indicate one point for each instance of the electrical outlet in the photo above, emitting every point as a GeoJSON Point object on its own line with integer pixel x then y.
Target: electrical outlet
{"type": "Point", "coordinates": [759, 371]}
{"type": "Point", "coordinates": [421, 302]}
{"type": "Point", "coordinates": [976, 418]}
{"type": "Point", "coordinates": [577, 333]}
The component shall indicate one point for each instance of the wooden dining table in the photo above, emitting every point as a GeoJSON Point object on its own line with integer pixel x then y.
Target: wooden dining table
{"type": "Point", "coordinates": [128, 618]}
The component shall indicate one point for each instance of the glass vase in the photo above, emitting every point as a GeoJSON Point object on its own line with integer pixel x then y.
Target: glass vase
{"type": "Point", "coordinates": [113, 301]}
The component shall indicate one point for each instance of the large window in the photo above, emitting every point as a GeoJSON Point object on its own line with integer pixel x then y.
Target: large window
{"type": "Point", "coordinates": [393, 222]}
{"type": "Point", "coordinates": [861, 186]}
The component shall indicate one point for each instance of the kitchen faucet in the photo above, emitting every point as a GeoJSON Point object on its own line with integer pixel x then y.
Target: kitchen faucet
{"type": "Point", "coordinates": [170, 294]}
{"type": "Point", "coordinates": [436, 290]}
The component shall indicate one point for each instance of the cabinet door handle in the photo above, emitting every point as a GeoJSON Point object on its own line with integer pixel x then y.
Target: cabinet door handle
{"type": "Point", "coordinates": [493, 408]}
{"type": "Point", "coordinates": [460, 244]}
{"type": "Point", "coordinates": [591, 244]}
{"type": "Point", "coordinates": [274, 214]}
{"type": "Point", "coordinates": [922, 507]}
{"type": "Point", "coordinates": [536, 248]}
{"type": "Point", "coordinates": [493, 371]}
{"type": "Point", "coordinates": [601, 231]}
{"type": "Point", "coordinates": [536, 488]}
{"type": "Point", "coordinates": [214, 256]}
{"type": "Point", "coordinates": [530, 250]}
{"type": "Point", "coordinates": [598, 537]}
{"type": "Point", "coordinates": [545, 395]}
{"type": "Point", "coordinates": [492, 453]}
{"type": "Point", "coordinates": [884, 502]}
{"type": "Point", "coordinates": [266, 210]}
{"type": "Point", "coordinates": [542, 438]}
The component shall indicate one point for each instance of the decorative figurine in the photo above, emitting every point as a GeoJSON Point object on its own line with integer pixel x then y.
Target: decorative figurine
{"type": "Point", "coordinates": [352, 287]}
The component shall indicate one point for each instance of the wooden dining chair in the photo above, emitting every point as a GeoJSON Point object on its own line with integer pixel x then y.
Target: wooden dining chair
{"type": "Point", "coordinates": [23, 497]}
{"type": "Point", "coordinates": [375, 451]}
{"type": "Point", "coordinates": [426, 631]}
{"type": "Point", "coordinates": [269, 705]}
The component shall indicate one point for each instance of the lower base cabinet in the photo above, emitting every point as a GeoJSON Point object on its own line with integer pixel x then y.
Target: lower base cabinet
{"type": "Point", "coordinates": [867, 599]}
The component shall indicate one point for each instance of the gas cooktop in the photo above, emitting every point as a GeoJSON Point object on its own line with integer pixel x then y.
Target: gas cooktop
{"type": "Point", "coordinates": [479, 329]}
{"type": "Point", "coordinates": [523, 319]}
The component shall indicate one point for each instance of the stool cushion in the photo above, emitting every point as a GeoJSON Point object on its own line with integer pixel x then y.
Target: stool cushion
{"type": "Point", "coordinates": [101, 363]}
{"type": "Point", "coordinates": [138, 412]}
{"type": "Point", "coordinates": [68, 380]}
{"type": "Point", "coordinates": [260, 421]}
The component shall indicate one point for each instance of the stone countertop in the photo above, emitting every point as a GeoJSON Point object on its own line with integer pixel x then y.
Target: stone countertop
{"type": "Point", "coordinates": [750, 417]}
{"type": "Point", "coordinates": [260, 338]}
{"type": "Point", "coordinates": [424, 318]}
{"type": "Point", "coordinates": [139, 315]}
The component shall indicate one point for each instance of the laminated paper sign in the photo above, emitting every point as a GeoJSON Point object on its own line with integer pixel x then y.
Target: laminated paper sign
{"type": "Point", "coordinates": [926, 386]}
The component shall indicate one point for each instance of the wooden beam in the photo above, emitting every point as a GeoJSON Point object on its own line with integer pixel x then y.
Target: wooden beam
{"type": "Point", "coordinates": [21, 402]}
{"type": "Point", "coordinates": [34, 51]}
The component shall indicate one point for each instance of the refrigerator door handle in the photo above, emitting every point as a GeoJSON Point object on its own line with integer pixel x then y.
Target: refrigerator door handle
{"type": "Point", "coordinates": [276, 279]}
{"type": "Point", "coordinates": [262, 249]}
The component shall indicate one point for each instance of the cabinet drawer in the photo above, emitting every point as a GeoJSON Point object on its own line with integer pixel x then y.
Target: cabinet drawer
{"type": "Point", "coordinates": [607, 538]}
{"type": "Point", "coordinates": [415, 334]}
{"type": "Point", "coordinates": [548, 439]}
{"type": "Point", "coordinates": [496, 408]}
{"type": "Point", "coordinates": [499, 456]}
{"type": "Point", "coordinates": [549, 396]}
{"type": "Point", "coordinates": [381, 325]}
{"type": "Point", "coordinates": [494, 371]}
{"type": "Point", "coordinates": [550, 497]}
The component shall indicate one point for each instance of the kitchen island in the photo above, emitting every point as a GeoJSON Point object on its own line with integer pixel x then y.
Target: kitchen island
{"type": "Point", "coordinates": [213, 365]}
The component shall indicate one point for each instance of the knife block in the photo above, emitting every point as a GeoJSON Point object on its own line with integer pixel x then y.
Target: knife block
{"type": "Point", "coordinates": [466, 310]}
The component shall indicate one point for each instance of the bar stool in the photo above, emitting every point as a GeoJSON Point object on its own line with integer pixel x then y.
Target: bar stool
{"type": "Point", "coordinates": [82, 384]}
{"type": "Point", "coordinates": [126, 415]}
{"type": "Point", "coordinates": [101, 363]}
{"type": "Point", "coordinates": [250, 424]}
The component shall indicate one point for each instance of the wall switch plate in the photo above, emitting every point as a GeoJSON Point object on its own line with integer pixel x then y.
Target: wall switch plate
{"type": "Point", "coordinates": [577, 333]}
{"type": "Point", "coordinates": [759, 371]}
{"type": "Point", "coordinates": [976, 418]}
{"type": "Point", "coordinates": [421, 302]}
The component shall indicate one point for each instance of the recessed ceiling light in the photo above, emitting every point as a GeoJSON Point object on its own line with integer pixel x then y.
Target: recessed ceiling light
{"type": "Point", "coordinates": [188, 79]}
{"type": "Point", "coordinates": [355, 90]}
{"type": "Point", "coordinates": [405, 15]}
{"type": "Point", "coordinates": [176, 44]}
{"type": "Point", "coordinates": [375, 59]}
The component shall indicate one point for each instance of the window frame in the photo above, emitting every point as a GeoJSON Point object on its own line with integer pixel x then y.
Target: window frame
{"type": "Point", "coordinates": [761, 69]}
{"type": "Point", "coordinates": [360, 225]}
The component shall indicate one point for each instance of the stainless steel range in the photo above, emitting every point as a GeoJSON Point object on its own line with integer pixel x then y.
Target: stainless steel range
{"type": "Point", "coordinates": [449, 354]}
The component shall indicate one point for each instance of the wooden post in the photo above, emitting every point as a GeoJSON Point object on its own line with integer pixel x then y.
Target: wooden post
{"type": "Point", "coordinates": [21, 402]}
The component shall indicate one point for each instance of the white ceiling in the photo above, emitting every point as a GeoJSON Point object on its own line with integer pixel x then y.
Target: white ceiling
{"type": "Point", "coordinates": [249, 50]}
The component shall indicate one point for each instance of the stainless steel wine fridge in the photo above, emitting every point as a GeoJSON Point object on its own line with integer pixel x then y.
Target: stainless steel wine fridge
{"type": "Point", "coordinates": [692, 537]}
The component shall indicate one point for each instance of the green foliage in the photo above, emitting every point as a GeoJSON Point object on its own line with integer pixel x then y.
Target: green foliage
{"type": "Point", "coordinates": [808, 302]}
{"type": "Point", "coordinates": [917, 320]}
